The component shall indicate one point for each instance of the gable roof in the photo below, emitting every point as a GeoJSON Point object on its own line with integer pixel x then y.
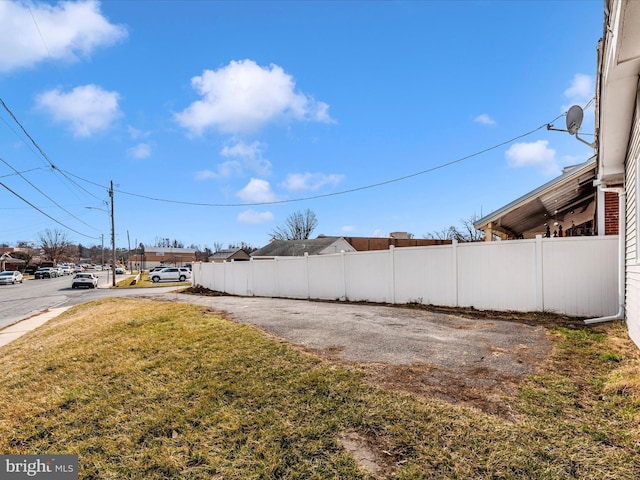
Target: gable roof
{"type": "Point", "coordinates": [559, 199]}
{"type": "Point", "coordinates": [227, 253]}
{"type": "Point", "coordinates": [296, 248]}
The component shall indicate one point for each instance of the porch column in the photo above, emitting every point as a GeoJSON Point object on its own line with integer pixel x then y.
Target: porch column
{"type": "Point", "coordinates": [488, 232]}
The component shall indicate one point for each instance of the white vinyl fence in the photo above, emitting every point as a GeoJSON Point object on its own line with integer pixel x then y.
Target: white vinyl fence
{"type": "Point", "coordinates": [574, 276]}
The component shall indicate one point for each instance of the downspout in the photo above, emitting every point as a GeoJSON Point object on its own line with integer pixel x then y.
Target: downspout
{"type": "Point", "coordinates": [622, 200]}
{"type": "Point", "coordinates": [622, 196]}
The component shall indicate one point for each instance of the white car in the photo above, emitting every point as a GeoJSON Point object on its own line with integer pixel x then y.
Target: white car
{"type": "Point", "coordinates": [10, 277]}
{"type": "Point", "coordinates": [171, 274]}
{"type": "Point", "coordinates": [66, 269]}
{"type": "Point", "coordinates": [84, 279]}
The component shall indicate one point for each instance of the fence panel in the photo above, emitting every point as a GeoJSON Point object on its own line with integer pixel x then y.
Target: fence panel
{"type": "Point", "coordinates": [292, 277]}
{"type": "Point", "coordinates": [368, 276]}
{"type": "Point", "coordinates": [265, 278]}
{"type": "Point", "coordinates": [580, 275]}
{"type": "Point", "coordinates": [424, 275]}
{"type": "Point", "coordinates": [573, 276]}
{"type": "Point", "coordinates": [497, 275]}
{"type": "Point", "coordinates": [326, 277]}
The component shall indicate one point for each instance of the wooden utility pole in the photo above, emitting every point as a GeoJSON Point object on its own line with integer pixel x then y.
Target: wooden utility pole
{"type": "Point", "coordinates": [113, 239]}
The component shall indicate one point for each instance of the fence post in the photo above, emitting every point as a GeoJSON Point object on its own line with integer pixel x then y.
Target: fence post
{"type": "Point", "coordinates": [454, 266]}
{"type": "Point", "coordinates": [539, 275]}
{"type": "Point", "coordinates": [344, 276]}
{"type": "Point", "coordinates": [277, 275]}
{"type": "Point", "coordinates": [251, 292]}
{"type": "Point", "coordinates": [306, 273]}
{"type": "Point", "coordinates": [392, 274]}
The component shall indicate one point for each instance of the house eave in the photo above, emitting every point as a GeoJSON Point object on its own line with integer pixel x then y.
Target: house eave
{"type": "Point", "coordinates": [572, 175]}
{"type": "Point", "coordinates": [618, 81]}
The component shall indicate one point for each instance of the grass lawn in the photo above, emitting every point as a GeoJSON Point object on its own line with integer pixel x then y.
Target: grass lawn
{"type": "Point", "coordinates": [146, 283]}
{"type": "Point", "coordinates": [154, 390]}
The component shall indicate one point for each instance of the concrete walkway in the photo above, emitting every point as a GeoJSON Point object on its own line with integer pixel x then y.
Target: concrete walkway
{"type": "Point", "coordinates": [10, 333]}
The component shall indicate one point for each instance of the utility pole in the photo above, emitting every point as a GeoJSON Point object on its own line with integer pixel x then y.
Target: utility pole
{"type": "Point", "coordinates": [129, 251]}
{"type": "Point", "coordinates": [102, 264]}
{"type": "Point", "coordinates": [113, 239]}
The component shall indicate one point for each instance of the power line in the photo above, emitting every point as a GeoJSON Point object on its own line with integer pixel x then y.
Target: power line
{"type": "Point", "coordinates": [333, 194]}
{"type": "Point", "coordinates": [46, 214]}
{"type": "Point", "coordinates": [15, 119]}
{"type": "Point", "coordinates": [18, 173]}
{"type": "Point", "coordinates": [44, 194]}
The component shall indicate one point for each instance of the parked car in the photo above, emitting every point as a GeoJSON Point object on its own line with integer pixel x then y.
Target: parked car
{"type": "Point", "coordinates": [120, 271]}
{"type": "Point", "coordinates": [10, 277]}
{"type": "Point", "coordinates": [88, 280]}
{"type": "Point", "coordinates": [66, 270]}
{"type": "Point", "coordinates": [46, 272]}
{"type": "Point", "coordinates": [172, 274]}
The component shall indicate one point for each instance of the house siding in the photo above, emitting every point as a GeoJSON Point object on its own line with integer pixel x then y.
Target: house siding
{"type": "Point", "coordinates": [632, 252]}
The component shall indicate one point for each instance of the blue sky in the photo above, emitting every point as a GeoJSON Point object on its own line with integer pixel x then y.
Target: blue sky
{"type": "Point", "coordinates": [216, 120]}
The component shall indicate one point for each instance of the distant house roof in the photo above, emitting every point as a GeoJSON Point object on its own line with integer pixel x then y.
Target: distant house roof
{"type": "Point", "coordinates": [229, 254]}
{"type": "Point", "coordinates": [312, 246]}
{"type": "Point", "coordinates": [568, 199]}
{"type": "Point", "coordinates": [324, 245]}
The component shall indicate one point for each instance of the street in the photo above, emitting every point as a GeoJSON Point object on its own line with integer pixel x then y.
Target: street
{"type": "Point", "coordinates": [21, 301]}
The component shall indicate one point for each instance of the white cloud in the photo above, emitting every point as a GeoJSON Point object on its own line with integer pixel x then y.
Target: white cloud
{"type": "Point", "coordinates": [534, 154]}
{"type": "Point", "coordinates": [137, 134]}
{"type": "Point", "coordinates": [142, 150]}
{"type": "Point", "coordinates": [484, 119]}
{"type": "Point", "coordinates": [87, 109]}
{"type": "Point", "coordinates": [582, 88]}
{"type": "Point", "coordinates": [225, 170]}
{"type": "Point", "coordinates": [243, 97]}
{"type": "Point", "coordinates": [257, 191]}
{"type": "Point", "coordinates": [253, 217]}
{"type": "Point", "coordinates": [348, 229]}
{"type": "Point", "coordinates": [31, 32]}
{"type": "Point", "coordinates": [310, 181]}
{"type": "Point", "coordinates": [250, 155]}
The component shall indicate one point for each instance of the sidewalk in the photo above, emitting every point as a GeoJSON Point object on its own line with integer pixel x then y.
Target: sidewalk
{"type": "Point", "coordinates": [10, 333]}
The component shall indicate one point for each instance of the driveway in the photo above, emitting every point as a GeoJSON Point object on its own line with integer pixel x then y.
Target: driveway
{"type": "Point", "coordinates": [468, 360]}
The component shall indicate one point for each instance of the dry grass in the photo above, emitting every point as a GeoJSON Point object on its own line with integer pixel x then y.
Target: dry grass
{"type": "Point", "coordinates": [146, 283]}
{"type": "Point", "coordinates": [151, 390]}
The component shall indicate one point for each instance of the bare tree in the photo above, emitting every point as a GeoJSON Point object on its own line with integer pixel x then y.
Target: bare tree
{"type": "Point", "coordinates": [247, 247]}
{"type": "Point", "coordinates": [298, 226]}
{"type": "Point", "coordinates": [217, 246]}
{"type": "Point", "coordinates": [55, 244]}
{"type": "Point", "coordinates": [465, 233]}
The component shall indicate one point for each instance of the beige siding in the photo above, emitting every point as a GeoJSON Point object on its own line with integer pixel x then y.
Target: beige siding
{"type": "Point", "coordinates": [632, 248]}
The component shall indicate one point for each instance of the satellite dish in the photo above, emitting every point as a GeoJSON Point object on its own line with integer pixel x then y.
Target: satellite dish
{"type": "Point", "coordinates": [574, 119]}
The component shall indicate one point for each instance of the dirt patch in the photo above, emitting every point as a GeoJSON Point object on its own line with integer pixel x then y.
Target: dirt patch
{"type": "Point", "coordinates": [369, 454]}
{"type": "Point", "coordinates": [478, 388]}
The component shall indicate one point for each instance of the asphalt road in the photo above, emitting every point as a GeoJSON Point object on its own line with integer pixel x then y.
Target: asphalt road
{"type": "Point", "coordinates": [21, 301]}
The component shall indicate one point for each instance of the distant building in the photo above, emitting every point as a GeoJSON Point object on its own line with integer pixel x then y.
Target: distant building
{"type": "Point", "coordinates": [324, 245]}
{"type": "Point", "coordinates": [157, 256]}
{"type": "Point", "coordinates": [229, 254]}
